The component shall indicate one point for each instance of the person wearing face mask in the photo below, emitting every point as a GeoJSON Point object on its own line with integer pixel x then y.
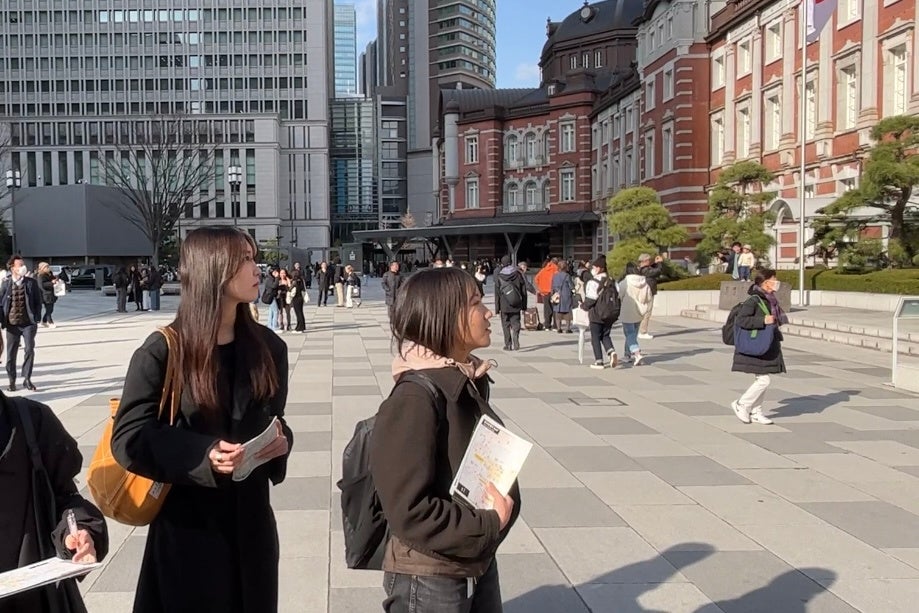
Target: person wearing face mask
{"type": "Point", "coordinates": [759, 311]}
{"type": "Point", "coordinates": [20, 305]}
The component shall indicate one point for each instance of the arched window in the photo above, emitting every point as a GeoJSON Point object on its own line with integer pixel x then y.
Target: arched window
{"type": "Point", "coordinates": [512, 149]}
{"type": "Point", "coordinates": [513, 198]}
{"type": "Point", "coordinates": [531, 148]}
{"type": "Point", "coordinates": [531, 195]}
{"type": "Point", "coordinates": [545, 195]}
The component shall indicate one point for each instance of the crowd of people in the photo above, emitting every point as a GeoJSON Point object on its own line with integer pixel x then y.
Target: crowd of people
{"type": "Point", "coordinates": [440, 554]}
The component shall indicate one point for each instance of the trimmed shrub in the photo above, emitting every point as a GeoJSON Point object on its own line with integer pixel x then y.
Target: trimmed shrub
{"type": "Point", "coordinates": [879, 282]}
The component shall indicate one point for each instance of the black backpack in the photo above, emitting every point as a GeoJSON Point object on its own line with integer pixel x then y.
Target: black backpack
{"type": "Point", "coordinates": [727, 330]}
{"type": "Point", "coordinates": [608, 305]}
{"type": "Point", "coordinates": [366, 530]}
{"type": "Point", "coordinates": [512, 297]}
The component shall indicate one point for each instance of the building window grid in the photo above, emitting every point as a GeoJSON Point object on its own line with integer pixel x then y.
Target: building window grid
{"type": "Point", "coordinates": [717, 139]}
{"type": "Point", "coordinates": [667, 149]}
{"type": "Point", "coordinates": [472, 149]}
{"type": "Point", "coordinates": [810, 108]}
{"type": "Point", "coordinates": [898, 74]}
{"type": "Point", "coordinates": [513, 198]}
{"type": "Point", "coordinates": [744, 57]}
{"type": "Point", "coordinates": [472, 193]}
{"type": "Point", "coordinates": [774, 41]}
{"type": "Point", "coordinates": [773, 123]}
{"type": "Point", "coordinates": [848, 82]}
{"type": "Point", "coordinates": [649, 156]}
{"type": "Point", "coordinates": [743, 132]}
{"type": "Point", "coordinates": [567, 138]}
{"type": "Point", "coordinates": [718, 71]}
{"type": "Point", "coordinates": [668, 84]}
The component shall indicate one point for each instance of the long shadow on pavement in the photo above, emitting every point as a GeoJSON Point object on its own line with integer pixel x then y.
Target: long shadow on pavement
{"type": "Point", "coordinates": [809, 405]}
{"type": "Point", "coordinates": [789, 592]}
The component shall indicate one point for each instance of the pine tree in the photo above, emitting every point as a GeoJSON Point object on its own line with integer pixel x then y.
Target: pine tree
{"type": "Point", "coordinates": [642, 224]}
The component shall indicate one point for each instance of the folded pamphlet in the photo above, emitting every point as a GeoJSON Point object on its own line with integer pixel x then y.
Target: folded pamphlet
{"type": "Point", "coordinates": [253, 447]}
{"type": "Point", "coordinates": [494, 454]}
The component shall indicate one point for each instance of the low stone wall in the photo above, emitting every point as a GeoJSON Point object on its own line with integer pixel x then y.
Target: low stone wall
{"type": "Point", "coordinates": [673, 303]}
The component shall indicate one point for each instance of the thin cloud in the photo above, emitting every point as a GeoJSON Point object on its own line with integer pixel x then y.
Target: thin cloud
{"type": "Point", "coordinates": [527, 74]}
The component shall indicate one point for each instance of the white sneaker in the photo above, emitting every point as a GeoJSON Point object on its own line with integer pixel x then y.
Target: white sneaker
{"type": "Point", "coordinates": [598, 365]}
{"type": "Point", "coordinates": [613, 359]}
{"type": "Point", "coordinates": [638, 359]}
{"type": "Point", "coordinates": [758, 417]}
{"type": "Point", "coordinates": [645, 336]}
{"type": "Point", "coordinates": [741, 413]}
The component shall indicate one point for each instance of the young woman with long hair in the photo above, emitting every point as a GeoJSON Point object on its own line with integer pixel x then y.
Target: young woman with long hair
{"type": "Point", "coordinates": [298, 285]}
{"type": "Point", "coordinates": [284, 285]}
{"type": "Point", "coordinates": [440, 557]}
{"type": "Point", "coordinates": [46, 281]}
{"type": "Point", "coordinates": [214, 544]}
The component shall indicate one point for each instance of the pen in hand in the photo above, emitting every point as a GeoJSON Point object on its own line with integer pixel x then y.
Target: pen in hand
{"type": "Point", "coordinates": [79, 541]}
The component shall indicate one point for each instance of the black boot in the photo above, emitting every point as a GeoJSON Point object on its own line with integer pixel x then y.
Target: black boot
{"type": "Point", "coordinates": [12, 387]}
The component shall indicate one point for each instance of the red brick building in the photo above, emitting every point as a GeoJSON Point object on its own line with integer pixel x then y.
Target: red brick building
{"type": "Point", "coordinates": [525, 156]}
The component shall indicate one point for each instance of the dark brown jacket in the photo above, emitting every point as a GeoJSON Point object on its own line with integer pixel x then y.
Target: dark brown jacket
{"type": "Point", "coordinates": [413, 460]}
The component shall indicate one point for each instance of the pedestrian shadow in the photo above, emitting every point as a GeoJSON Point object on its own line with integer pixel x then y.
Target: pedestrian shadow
{"type": "Point", "coordinates": [685, 331]}
{"type": "Point", "coordinates": [810, 405]}
{"type": "Point", "coordinates": [623, 589]}
{"type": "Point", "coordinates": [47, 393]}
{"type": "Point", "coordinates": [654, 358]}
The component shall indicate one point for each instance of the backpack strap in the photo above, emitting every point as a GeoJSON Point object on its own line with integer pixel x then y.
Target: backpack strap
{"type": "Point", "coordinates": [422, 380]}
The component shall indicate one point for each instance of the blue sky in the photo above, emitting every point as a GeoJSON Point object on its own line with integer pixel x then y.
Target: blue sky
{"type": "Point", "coordinates": [521, 35]}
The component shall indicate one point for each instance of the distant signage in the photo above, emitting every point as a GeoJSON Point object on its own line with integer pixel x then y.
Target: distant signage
{"type": "Point", "coordinates": [909, 308]}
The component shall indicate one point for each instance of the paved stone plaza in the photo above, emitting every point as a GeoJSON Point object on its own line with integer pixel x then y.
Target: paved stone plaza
{"type": "Point", "coordinates": [643, 492]}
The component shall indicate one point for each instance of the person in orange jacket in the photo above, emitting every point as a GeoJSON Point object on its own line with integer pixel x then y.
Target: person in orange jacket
{"type": "Point", "coordinates": [543, 283]}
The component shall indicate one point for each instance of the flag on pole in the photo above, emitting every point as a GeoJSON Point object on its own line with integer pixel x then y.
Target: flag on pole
{"type": "Point", "coordinates": [818, 15]}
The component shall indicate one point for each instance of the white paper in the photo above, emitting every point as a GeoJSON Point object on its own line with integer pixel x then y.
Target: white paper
{"type": "Point", "coordinates": [494, 454]}
{"type": "Point", "coordinates": [41, 573]}
{"type": "Point", "coordinates": [252, 447]}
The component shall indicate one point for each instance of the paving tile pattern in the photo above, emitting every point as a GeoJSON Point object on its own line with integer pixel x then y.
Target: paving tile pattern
{"type": "Point", "coordinates": [642, 493]}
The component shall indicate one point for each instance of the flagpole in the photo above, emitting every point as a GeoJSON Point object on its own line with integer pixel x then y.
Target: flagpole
{"type": "Point", "coordinates": [803, 135]}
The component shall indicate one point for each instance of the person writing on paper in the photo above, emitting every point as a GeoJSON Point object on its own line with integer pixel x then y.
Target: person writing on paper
{"type": "Point", "coordinates": [33, 520]}
{"type": "Point", "coordinates": [441, 554]}
{"type": "Point", "coordinates": [214, 544]}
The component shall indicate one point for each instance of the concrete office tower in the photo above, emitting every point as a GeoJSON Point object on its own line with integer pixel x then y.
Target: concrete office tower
{"type": "Point", "coordinates": [423, 47]}
{"type": "Point", "coordinates": [345, 53]}
{"type": "Point", "coordinates": [78, 79]}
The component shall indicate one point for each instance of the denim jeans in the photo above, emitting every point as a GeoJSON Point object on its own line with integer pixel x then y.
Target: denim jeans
{"type": "Point", "coordinates": [743, 273]}
{"type": "Point", "coordinates": [273, 315]}
{"type": "Point", "coordinates": [414, 594]}
{"type": "Point", "coordinates": [631, 337]}
{"type": "Point", "coordinates": [600, 340]}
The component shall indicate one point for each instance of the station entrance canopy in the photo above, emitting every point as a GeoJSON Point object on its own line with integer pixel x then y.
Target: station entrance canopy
{"type": "Point", "coordinates": [392, 240]}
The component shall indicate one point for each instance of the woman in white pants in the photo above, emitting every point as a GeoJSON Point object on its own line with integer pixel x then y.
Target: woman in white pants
{"type": "Point", "coordinates": [759, 311]}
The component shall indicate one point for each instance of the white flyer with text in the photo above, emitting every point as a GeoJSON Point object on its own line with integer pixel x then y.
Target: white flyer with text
{"type": "Point", "coordinates": [494, 454]}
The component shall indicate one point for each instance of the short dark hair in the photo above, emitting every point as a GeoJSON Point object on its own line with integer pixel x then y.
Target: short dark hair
{"type": "Point", "coordinates": [600, 263]}
{"type": "Point", "coordinates": [563, 266]}
{"type": "Point", "coordinates": [430, 309]}
{"type": "Point", "coordinates": [736, 244]}
{"type": "Point", "coordinates": [505, 260]}
{"type": "Point", "coordinates": [13, 259]}
{"type": "Point", "coordinates": [763, 275]}
{"type": "Point", "coordinates": [631, 269]}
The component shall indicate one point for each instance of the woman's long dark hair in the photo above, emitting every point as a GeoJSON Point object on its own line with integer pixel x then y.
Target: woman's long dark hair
{"type": "Point", "coordinates": [210, 258]}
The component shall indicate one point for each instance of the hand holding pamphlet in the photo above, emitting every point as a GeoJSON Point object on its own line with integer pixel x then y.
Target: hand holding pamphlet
{"type": "Point", "coordinates": [495, 455]}
{"type": "Point", "coordinates": [252, 447]}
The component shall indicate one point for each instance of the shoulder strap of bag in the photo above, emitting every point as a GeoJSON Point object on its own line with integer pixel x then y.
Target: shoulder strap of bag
{"type": "Point", "coordinates": [763, 307]}
{"type": "Point", "coordinates": [427, 383]}
{"type": "Point", "coordinates": [172, 383]}
{"type": "Point", "coordinates": [44, 514]}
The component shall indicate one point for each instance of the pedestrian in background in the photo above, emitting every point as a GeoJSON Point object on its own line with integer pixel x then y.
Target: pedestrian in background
{"type": "Point", "coordinates": [635, 296]}
{"type": "Point", "coordinates": [600, 324]}
{"type": "Point", "coordinates": [46, 281]}
{"type": "Point", "coordinates": [543, 283]}
{"type": "Point", "coordinates": [21, 305]}
{"type": "Point", "coordinates": [562, 298]}
{"type": "Point", "coordinates": [759, 311]}
{"type": "Point", "coordinates": [651, 270]}
{"type": "Point", "coordinates": [298, 287]}
{"type": "Point", "coordinates": [214, 544]}
{"type": "Point", "coordinates": [441, 555]}
{"type": "Point", "coordinates": [510, 302]}
{"type": "Point", "coordinates": [137, 289]}
{"type": "Point", "coordinates": [338, 279]}
{"type": "Point", "coordinates": [746, 261]}
{"type": "Point", "coordinates": [324, 281]}
{"type": "Point", "coordinates": [284, 299]}
{"type": "Point", "coordinates": [352, 287]}
{"type": "Point", "coordinates": [391, 283]}
{"type": "Point", "coordinates": [121, 281]}
{"type": "Point", "coordinates": [270, 297]}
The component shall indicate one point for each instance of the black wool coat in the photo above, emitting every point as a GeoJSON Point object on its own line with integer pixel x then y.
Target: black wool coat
{"type": "Point", "coordinates": [28, 537]}
{"type": "Point", "coordinates": [751, 317]}
{"type": "Point", "coordinates": [214, 544]}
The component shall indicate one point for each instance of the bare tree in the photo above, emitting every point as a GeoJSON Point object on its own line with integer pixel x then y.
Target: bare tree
{"type": "Point", "coordinates": [162, 174]}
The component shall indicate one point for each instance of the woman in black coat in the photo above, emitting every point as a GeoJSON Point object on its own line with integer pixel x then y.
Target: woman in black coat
{"type": "Point", "coordinates": [46, 283]}
{"type": "Point", "coordinates": [324, 279]}
{"type": "Point", "coordinates": [759, 311]}
{"type": "Point", "coordinates": [136, 290]}
{"type": "Point", "coordinates": [298, 284]}
{"type": "Point", "coordinates": [28, 536]}
{"type": "Point", "coordinates": [214, 544]}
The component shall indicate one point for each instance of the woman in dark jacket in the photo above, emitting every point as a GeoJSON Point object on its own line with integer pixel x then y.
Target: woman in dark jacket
{"type": "Point", "coordinates": [46, 283]}
{"type": "Point", "coordinates": [759, 311]}
{"type": "Point", "coordinates": [28, 536]}
{"type": "Point", "coordinates": [214, 544]}
{"type": "Point", "coordinates": [136, 289]}
{"type": "Point", "coordinates": [298, 285]}
{"type": "Point", "coordinates": [283, 290]}
{"type": "Point", "coordinates": [324, 280]}
{"type": "Point", "coordinates": [563, 290]}
{"type": "Point", "coordinates": [440, 557]}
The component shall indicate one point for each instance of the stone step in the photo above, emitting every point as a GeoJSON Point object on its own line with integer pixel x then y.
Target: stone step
{"type": "Point", "coordinates": [829, 331]}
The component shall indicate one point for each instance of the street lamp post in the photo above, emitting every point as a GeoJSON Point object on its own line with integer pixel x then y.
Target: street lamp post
{"type": "Point", "coordinates": [235, 174]}
{"type": "Point", "coordinates": [13, 183]}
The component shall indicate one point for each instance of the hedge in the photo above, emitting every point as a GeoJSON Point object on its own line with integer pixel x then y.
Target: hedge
{"type": "Point", "coordinates": [880, 282]}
